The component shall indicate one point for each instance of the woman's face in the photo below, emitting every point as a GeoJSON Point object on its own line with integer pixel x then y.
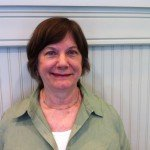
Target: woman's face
{"type": "Point", "coordinates": [60, 64]}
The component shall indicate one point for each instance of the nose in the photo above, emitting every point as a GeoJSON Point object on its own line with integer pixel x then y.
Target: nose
{"type": "Point", "coordinates": [62, 62]}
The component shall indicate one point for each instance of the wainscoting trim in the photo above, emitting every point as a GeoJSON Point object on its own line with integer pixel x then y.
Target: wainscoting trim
{"type": "Point", "coordinates": [101, 25]}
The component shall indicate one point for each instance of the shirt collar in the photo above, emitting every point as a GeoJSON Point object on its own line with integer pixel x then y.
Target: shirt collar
{"type": "Point", "coordinates": [92, 103]}
{"type": "Point", "coordinates": [25, 105]}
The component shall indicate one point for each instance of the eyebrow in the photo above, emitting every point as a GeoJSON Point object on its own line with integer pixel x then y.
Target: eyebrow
{"type": "Point", "coordinates": [72, 47]}
{"type": "Point", "coordinates": [50, 48]}
{"type": "Point", "coordinates": [53, 48]}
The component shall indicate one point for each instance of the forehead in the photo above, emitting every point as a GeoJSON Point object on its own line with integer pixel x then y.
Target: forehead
{"type": "Point", "coordinates": [67, 41]}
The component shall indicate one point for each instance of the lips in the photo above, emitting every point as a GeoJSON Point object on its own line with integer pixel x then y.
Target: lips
{"type": "Point", "coordinates": [61, 75]}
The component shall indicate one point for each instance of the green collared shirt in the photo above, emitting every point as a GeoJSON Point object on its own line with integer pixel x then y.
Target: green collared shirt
{"type": "Point", "coordinates": [97, 127]}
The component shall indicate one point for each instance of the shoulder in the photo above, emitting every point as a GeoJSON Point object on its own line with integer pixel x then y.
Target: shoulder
{"type": "Point", "coordinates": [109, 112]}
{"type": "Point", "coordinates": [20, 107]}
{"type": "Point", "coordinates": [9, 118]}
{"type": "Point", "coordinates": [108, 115]}
{"type": "Point", "coordinates": [15, 111]}
{"type": "Point", "coordinates": [113, 123]}
{"type": "Point", "coordinates": [101, 107]}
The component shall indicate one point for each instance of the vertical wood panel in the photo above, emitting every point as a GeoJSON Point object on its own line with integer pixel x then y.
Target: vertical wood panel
{"type": "Point", "coordinates": [121, 77]}
{"type": "Point", "coordinates": [88, 79]}
{"type": "Point", "coordinates": [116, 79]}
{"type": "Point", "coordinates": [27, 82]}
{"type": "Point", "coordinates": [147, 141]}
{"type": "Point", "coordinates": [5, 79]}
{"type": "Point", "coordinates": [144, 59]}
{"type": "Point", "coordinates": [135, 85]}
{"type": "Point", "coordinates": [119, 74]}
{"type": "Point", "coordinates": [107, 73]}
{"type": "Point", "coordinates": [15, 74]}
{"type": "Point", "coordinates": [98, 56]}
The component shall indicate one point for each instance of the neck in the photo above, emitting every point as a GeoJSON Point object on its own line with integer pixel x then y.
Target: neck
{"type": "Point", "coordinates": [64, 100]}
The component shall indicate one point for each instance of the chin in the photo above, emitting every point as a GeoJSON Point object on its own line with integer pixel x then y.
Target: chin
{"type": "Point", "coordinates": [64, 86]}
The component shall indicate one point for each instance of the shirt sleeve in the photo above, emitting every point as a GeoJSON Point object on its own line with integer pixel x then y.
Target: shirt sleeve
{"type": "Point", "coordinates": [124, 143]}
{"type": "Point", "coordinates": [123, 139]}
{"type": "Point", "coordinates": [1, 134]}
{"type": "Point", "coordinates": [1, 140]}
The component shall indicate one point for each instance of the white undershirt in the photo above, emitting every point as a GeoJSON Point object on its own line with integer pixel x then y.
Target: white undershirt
{"type": "Point", "coordinates": [61, 139]}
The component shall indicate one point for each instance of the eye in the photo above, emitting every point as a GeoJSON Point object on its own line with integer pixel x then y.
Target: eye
{"type": "Point", "coordinates": [72, 52]}
{"type": "Point", "coordinates": [51, 53]}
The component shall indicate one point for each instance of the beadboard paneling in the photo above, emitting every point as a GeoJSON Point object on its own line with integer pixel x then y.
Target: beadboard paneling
{"type": "Point", "coordinates": [119, 74]}
{"type": "Point", "coordinates": [15, 81]}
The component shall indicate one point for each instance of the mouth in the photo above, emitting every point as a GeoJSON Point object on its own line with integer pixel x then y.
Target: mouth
{"type": "Point", "coordinates": [61, 75]}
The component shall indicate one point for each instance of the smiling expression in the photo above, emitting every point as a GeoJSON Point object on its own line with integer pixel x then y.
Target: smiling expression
{"type": "Point", "coordinates": [60, 64]}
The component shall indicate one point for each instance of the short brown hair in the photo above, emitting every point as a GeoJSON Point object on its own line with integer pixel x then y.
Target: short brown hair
{"type": "Point", "coordinates": [51, 31]}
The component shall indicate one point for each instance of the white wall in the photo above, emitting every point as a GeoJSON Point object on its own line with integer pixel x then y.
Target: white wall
{"type": "Point", "coordinates": [119, 47]}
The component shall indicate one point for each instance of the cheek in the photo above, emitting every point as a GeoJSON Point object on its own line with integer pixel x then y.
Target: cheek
{"type": "Point", "coordinates": [46, 65]}
{"type": "Point", "coordinates": [81, 63]}
{"type": "Point", "coordinates": [79, 68]}
{"type": "Point", "coordinates": [42, 69]}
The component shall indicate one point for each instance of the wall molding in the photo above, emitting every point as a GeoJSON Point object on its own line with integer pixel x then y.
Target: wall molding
{"type": "Point", "coordinates": [116, 3]}
{"type": "Point", "coordinates": [101, 25]}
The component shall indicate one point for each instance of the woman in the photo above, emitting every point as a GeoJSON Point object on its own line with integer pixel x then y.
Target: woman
{"type": "Point", "coordinates": [61, 113]}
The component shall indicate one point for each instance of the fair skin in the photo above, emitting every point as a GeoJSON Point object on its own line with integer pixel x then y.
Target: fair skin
{"type": "Point", "coordinates": [60, 67]}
